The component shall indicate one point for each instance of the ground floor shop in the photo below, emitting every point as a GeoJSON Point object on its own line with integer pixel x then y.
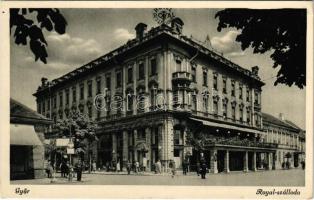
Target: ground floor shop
{"type": "Point", "coordinates": [165, 136]}
{"type": "Point", "coordinates": [26, 153]}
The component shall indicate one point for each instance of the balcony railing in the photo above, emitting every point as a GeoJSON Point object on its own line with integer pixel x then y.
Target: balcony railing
{"type": "Point", "coordinates": [182, 76]}
{"type": "Point", "coordinates": [235, 141]}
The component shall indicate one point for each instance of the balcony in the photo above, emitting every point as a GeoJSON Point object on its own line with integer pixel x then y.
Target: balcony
{"type": "Point", "coordinates": [181, 77]}
{"type": "Point", "coordinates": [257, 105]}
{"type": "Point", "coordinates": [236, 141]}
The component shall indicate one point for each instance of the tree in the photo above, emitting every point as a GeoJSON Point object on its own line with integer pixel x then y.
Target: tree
{"type": "Point", "coordinates": [281, 30]}
{"type": "Point", "coordinates": [81, 129]}
{"type": "Point", "coordinates": [30, 32]}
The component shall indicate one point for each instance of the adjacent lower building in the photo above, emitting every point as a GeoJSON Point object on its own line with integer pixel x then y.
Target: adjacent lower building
{"type": "Point", "coordinates": [26, 142]}
{"type": "Point", "coordinates": [157, 93]}
{"type": "Point", "coordinates": [289, 138]}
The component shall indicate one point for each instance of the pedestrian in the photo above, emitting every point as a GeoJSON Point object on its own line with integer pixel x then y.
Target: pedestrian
{"type": "Point", "coordinates": [128, 167]}
{"type": "Point", "coordinates": [172, 166]}
{"type": "Point", "coordinates": [303, 164]}
{"type": "Point", "coordinates": [67, 168]}
{"type": "Point", "coordinates": [198, 168]}
{"type": "Point", "coordinates": [114, 165]}
{"type": "Point", "coordinates": [49, 170]}
{"type": "Point", "coordinates": [203, 170]}
{"type": "Point", "coordinates": [158, 167]}
{"type": "Point", "coordinates": [107, 166]}
{"type": "Point", "coordinates": [137, 166]}
{"type": "Point", "coordinates": [94, 167]}
{"type": "Point", "coordinates": [184, 167]}
{"type": "Point", "coordinates": [144, 164]}
{"type": "Point", "coordinates": [79, 168]}
{"type": "Point", "coordinates": [63, 169]}
{"type": "Point", "coordinates": [118, 166]}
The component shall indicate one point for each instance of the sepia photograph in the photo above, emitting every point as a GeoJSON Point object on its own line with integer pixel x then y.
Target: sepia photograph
{"type": "Point", "coordinates": [159, 97]}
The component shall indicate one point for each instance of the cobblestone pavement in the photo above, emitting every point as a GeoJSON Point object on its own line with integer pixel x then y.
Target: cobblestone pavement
{"type": "Point", "coordinates": [292, 177]}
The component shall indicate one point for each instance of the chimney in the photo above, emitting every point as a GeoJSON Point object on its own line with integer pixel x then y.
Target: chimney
{"type": "Point", "coordinates": [43, 81]}
{"type": "Point", "coordinates": [255, 70]}
{"type": "Point", "coordinates": [177, 25]}
{"type": "Point", "coordinates": [140, 29]}
{"type": "Point", "coordinates": [281, 116]}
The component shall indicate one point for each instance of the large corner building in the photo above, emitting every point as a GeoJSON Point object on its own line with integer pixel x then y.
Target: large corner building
{"type": "Point", "coordinates": [158, 90]}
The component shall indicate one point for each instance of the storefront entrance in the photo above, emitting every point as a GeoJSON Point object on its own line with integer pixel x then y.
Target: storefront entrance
{"type": "Point", "coordinates": [220, 161]}
{"type": "Point", "coordinates": [236, 160]}
{"type": "Point", "coordinates": [21, 162]}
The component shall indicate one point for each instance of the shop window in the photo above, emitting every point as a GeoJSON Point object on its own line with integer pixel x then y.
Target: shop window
{"type": "Point", "coordinates": [176, 137]}
{"type": "Point", "coordinates": [176, 153]}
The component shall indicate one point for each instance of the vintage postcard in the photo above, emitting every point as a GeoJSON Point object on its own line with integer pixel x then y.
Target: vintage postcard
{"type": "Point", "coordinates": [157, 99]}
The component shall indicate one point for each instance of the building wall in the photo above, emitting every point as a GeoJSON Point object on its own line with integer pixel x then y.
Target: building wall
{"type": "Point", "coordinates": [166, 59]}
{"type": "Point", "coordinates": [171, 60]}
{"type": "Point", "coordinates": [288, 141]}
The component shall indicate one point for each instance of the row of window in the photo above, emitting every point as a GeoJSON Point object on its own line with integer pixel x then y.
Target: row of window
{"type": "Point", "coordinates": [224, 84]}
{"type": "Point", "coordinates": [153, 70]}
{"type": "Point", "coordinates": [280, 138]}
{"type": "Point", "coordinates": [141, 72]}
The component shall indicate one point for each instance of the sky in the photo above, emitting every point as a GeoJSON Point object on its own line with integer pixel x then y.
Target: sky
{"type": "Point", "coordinates": [94, 32]}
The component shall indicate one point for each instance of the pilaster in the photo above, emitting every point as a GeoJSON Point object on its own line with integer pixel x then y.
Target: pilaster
{"type": "Point", "coordinates": [254, 162]}
{"type": "Point", "coordinates": [148, 142]}
{"type": "Point", "coordinates": [226, 162]}
{"type": "Point", "coordinates": [213, 161]}
{"type": "Point", "coordinates": [125, 149]}
{"type": "Point", "coordinates": [246, 162]}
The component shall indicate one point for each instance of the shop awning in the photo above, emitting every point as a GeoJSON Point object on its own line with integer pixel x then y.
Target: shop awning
{"type": "Point", "coordinates": [226, 126]}
{"type": "Point", "coordinates": [24, 135]}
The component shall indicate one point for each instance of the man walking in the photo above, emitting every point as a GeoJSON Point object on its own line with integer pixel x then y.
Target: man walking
{"type": "Point", "coordinates": [203, 170]}
{"type": "Point", "coordinates": [79, 168]}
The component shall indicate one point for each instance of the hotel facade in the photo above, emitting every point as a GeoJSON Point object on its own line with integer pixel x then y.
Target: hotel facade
{"type": "Point", "coordinates": [153, 94]}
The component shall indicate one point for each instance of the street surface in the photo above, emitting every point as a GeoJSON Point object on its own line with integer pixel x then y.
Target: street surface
{"type": "Point", "coordinates": [292, 177]}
